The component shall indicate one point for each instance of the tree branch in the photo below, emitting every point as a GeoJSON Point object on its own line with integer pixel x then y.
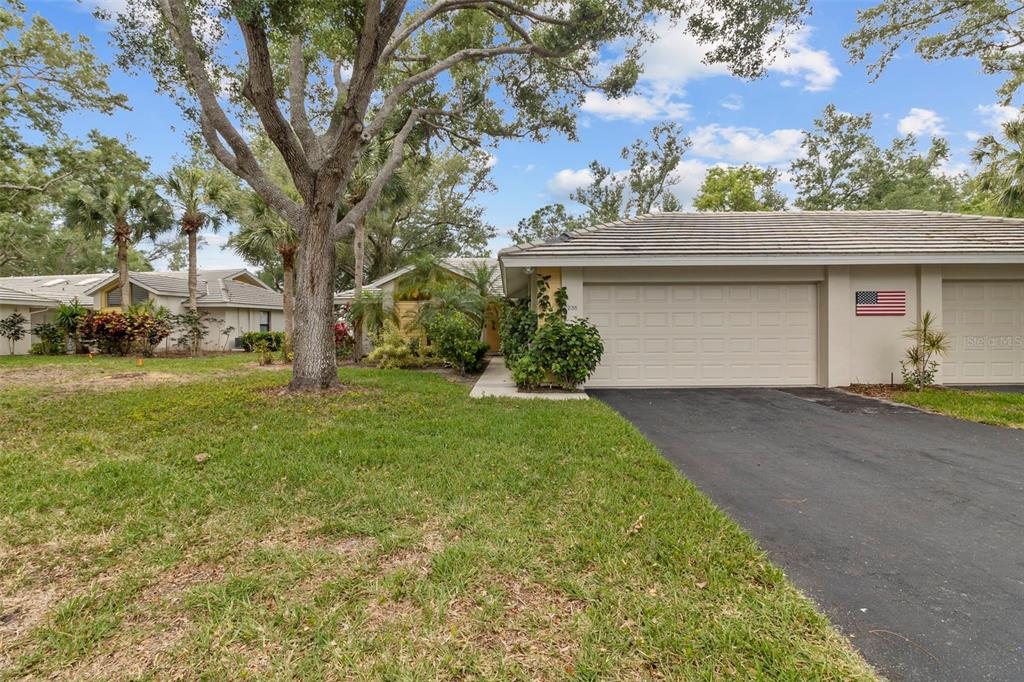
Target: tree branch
{"type": "Point", "coordinates": [259, 89]}
{"type": "Point", "coordinates": [297, 75]}
{"type": "Point", "coordinates": [214, 123]}
{"type": "Point", "coordinates": [347, 224]}
{"type": "Point", "coordinates": [393, 98]}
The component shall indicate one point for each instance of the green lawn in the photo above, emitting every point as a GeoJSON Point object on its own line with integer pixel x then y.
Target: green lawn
{"type": "Point", "coordinates": [1001, 409]}
{"type": "Point", "coordinates": [397, 531]}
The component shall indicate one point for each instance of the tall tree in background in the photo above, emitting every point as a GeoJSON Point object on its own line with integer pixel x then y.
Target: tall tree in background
{"type": "Point", "coordinates": [439, 215]}
{"type": "Point", "coordinates": [644, 186]}
{"type": "Point", "coordinates": [613, 195]}
{"type": "Point", "coordinates": [125, 213]}
{"type": "Point", "coordinates": [265, 239]}
{"type": "Point", "coordinates": [200, 195]}
{"type": "Point", "coordinates": [1000, 183]}
{"type": "Point", "coordinates": [742, 188]}
{"type": "Point", "coordinates": [991, 31]}
{"type": "Point", "coordinates": [842, 167]}
{"type": "Point", "coordinates": [327, 80]}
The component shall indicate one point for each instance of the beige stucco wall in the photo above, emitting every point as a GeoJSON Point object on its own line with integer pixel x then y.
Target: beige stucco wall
{"type": "Point", "coordinates": [20, 347]}
{"type": "Point", "coordinates": [851, 349]}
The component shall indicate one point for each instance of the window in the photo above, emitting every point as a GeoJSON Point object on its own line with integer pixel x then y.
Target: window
{"type": "Point", "coordinates": [264, 320]}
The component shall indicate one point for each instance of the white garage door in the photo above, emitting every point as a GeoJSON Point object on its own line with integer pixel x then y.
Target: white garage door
{"type": "Point", "coordinates": [985, 324]}
{"type": "Point", "coordinates": [704, 334]}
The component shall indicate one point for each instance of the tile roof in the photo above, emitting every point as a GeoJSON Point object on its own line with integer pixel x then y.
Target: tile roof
{"type": "Point", "coordinates": [216, 287]}
{"type": "Point", "coordinates": [784, 233]}
{"type": "Point", "coordinates": [10, 296]}
{"type": "Point", "coordinates": [61, 288]}
{"type": "Point", "coordinates": [460, 266]}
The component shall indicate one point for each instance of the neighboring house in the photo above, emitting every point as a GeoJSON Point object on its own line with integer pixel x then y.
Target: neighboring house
{"type": "Point", "coordinates": [30, 306]}
{"type": "Point", "coordinates": [232, 298]}
{"type": "Point", "coordinates": [390, 287]}
{"type": "Point", "coordinates": [787, 298]}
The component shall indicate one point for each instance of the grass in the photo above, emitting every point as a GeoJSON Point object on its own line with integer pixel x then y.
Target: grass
{"type": "Point", "coordinates": [1000, 409]}
{"type": "Point", "coordinates": [396, 531]}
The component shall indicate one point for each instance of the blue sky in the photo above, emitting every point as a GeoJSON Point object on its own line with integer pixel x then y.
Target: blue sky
{"type": "Point", "coordinates": [729, 120]}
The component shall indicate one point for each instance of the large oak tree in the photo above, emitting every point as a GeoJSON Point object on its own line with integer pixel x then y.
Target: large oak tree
{"type": "Point", "coordinates": [327, 80]}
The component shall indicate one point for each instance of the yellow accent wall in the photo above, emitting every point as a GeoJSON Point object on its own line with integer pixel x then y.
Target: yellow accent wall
{"type": "Point", "coordinates": [554, 276]}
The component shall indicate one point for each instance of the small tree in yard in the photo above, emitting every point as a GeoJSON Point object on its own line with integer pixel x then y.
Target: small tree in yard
{"type": "Point", "coordinates": [68, 317]}
{"type": "Point", "coordinates": [328, 82]}
{"type": "Point", "coordinates": [920, 366]}
{"type": "Point", "coordinates": [13, 328]}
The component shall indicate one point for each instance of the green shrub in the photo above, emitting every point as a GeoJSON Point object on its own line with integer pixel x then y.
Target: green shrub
{"type": "Point", "coordinates": [517, 328]}
{"type": "Point", "coordinates": [456, 340]}
{"type": "Point", "coordinates": [569, 352]}
{"type": "Point", "coordinates": [51, 339]}
{"type": "Point", "coordinates": [262, 348]}
{"type": "Point", "coordinates": [527, 373]}
{"type": "Point", "coordinates": [391, 350]}
{"type": "Point", "coordinates": [275, 340]}
{"type": "Point", "coordinates": [137, 330]}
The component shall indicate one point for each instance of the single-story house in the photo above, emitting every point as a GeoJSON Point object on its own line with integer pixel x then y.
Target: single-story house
{"type": "Point", "coordinates": [787, 298]}
{"type": "Point", "coordinates": [233, 298]}
{"type": "Point", "coordinates": [393, 296]}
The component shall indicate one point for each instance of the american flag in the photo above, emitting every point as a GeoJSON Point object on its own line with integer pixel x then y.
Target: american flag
{"type": "Point", "coordinates": [893, 303]}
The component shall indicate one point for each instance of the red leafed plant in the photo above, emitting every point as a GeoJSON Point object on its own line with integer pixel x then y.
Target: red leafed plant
{"type": "Point", "coordinates": [138, 330]}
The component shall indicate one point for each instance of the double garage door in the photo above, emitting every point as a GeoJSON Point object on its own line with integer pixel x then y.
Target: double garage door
{"type": "Point", "coordinates": [984, 322]}
{"type": "Point", "coordinates": [704, 334]}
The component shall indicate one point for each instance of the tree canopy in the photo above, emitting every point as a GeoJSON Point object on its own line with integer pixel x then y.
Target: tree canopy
{"type": "Point", "coordinates": [644, 186]}
{"type": "Point", "coordinates": [991, 31]}
{"type": "Point", "coordinates": [741, 188]}
{"type": "Point", "coordinates": [842, 167]}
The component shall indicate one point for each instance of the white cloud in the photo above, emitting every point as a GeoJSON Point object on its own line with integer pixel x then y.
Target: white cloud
{"type": "Point", "coordinates": [732, 103]}
{"type": "Point", "coordinates": [676, 58]}
{"type": "Point", "coordinates": [638, 107]}
{"type": "Point", "coordinates": [746, 145]}
{"type": "Point", "coordinates": [566, 180]}
{"type": "Point", "coordinates": [801, 62]}
{"type": "Point", "coordinates": [972, 135]}
{"type": "Point", "coordinates": [995, 115]}
{"type": "Point", "coordinates": [921, 122]}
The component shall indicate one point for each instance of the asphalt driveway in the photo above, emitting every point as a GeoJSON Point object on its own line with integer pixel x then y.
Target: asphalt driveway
{"type": "Point", "coordinates": [905, 527]}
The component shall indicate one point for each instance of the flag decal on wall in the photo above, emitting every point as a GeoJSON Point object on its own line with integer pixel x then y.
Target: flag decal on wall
{"type": "Point", "coordinates": [892, 303]}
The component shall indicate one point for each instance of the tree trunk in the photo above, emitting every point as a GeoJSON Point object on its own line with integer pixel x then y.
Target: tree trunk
{"type": "Point", "coordinates": [122, 269]}
{"type": "Point", "coordinates": [193, 268]}
{"type": "Point", "coordinates": [314, 366]}
{"type": "Point", "coordinates": [358, 244]}
{"type": "Point", "coordinates": [288, 275]}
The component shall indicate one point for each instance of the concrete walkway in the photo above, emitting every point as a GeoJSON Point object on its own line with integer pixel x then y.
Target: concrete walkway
{"type": "Point", "coordinates": [496, 382]}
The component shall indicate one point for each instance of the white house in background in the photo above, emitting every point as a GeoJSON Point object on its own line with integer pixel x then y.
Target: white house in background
{"type": "Point", "coordinates": [233, 298]}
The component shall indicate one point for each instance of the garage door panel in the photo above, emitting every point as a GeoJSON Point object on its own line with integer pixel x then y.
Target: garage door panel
{"type": "Point", "coordinates": [715, 335]}
{"type": "Point", "coordinates": [984, 322]}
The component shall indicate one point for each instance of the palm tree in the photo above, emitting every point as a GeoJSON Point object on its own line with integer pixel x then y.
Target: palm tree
{"type": "Point", "coordinates": [201, 196]}
{"type": "Point", "coordinates": [1003, 174]}
{"type": "Point", "coordinates": [263, 237]}
{"type": "Point", "coordinates": [126, 212]}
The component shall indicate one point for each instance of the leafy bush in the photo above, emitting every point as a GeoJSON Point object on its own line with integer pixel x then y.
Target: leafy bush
{"type": "Point", "coordinates": [138, 330]}
{"type": "Point", "coordinates": [274, 340]}
{"type": "Point", "coordinates": [343, 340]}
{"type": "Point", "coordinates": [527, 373]}
{"type": "Point", "coordinates": [567, 351]}
{"type": "Point", "coordinates": [13, 329]}
{"type": "Point", "coordinates": [51, 339]}
{"type": "Point", "coordinates": [262, 348]}
{"type": "Point", "coordinates": [192, 327]}
{"type": "Point", "coordinates": [517, 327]}
{"type": "Point", "coordinates": [456, 339]}
{"type": "Point", "coordinates": [391, 350]}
